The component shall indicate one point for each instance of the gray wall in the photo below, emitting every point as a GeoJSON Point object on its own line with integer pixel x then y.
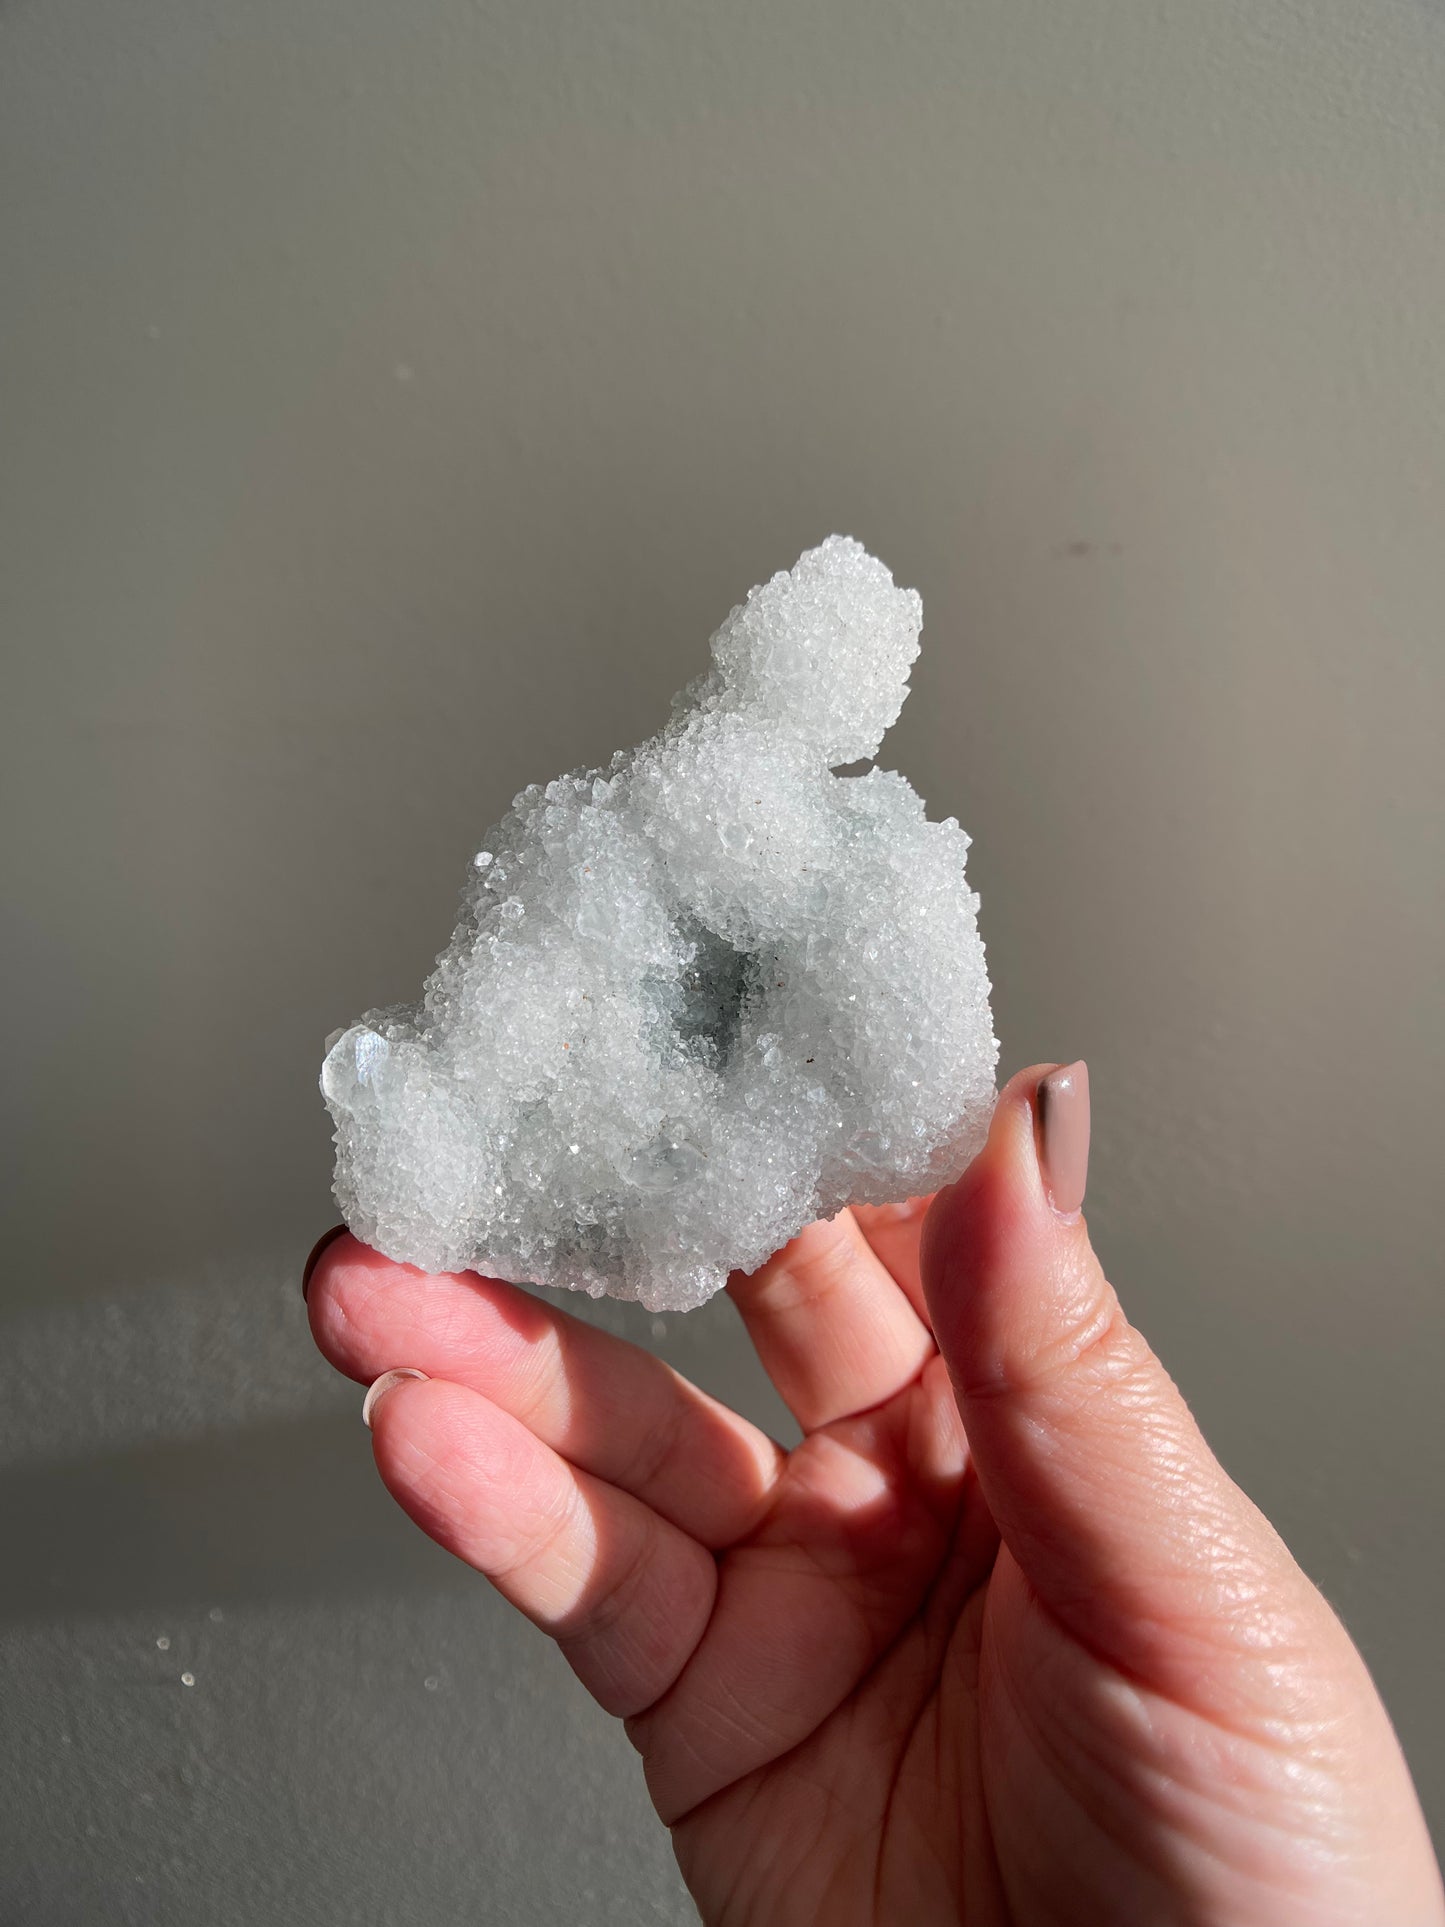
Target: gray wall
{"type": "Point", "coordinates": [392, 398]}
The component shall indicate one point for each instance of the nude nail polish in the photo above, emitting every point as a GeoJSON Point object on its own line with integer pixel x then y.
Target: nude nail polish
{"type": "Point", "coordinates": [381, 1386]}
{"type": "Point", "coordinates": [1061, 1106]}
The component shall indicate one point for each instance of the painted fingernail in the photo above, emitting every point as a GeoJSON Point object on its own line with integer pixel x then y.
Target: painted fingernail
{"type": "Point", "coordinates": [326, 1238]}
{"type": "Point", "coordinates": [380, 1387]}
{"type": "Point", "coordinates": [1061, 1104]}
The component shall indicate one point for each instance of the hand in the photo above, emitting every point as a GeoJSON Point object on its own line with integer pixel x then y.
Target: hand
{"type": "Point", "coordinates": [1046, 1664]}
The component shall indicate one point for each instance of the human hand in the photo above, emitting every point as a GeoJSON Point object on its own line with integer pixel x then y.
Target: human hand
{"type": "Point", "coordinates": [1045, 1663]}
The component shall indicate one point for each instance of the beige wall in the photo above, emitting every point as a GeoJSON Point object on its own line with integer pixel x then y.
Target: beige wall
{"type": "Point", "coordinates": [392, 398]}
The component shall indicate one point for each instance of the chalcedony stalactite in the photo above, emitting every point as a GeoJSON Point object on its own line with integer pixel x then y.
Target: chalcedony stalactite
{"type": "Point", "coordinates": [696, 999]}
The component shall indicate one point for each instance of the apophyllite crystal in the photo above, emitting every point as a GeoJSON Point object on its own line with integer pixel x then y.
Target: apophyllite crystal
{"type": "Point", "coordinates": [695, 999]}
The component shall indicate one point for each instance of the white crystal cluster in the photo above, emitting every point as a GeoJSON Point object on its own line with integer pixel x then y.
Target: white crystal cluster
{"type": "Point", "coordinates": [695, 999]}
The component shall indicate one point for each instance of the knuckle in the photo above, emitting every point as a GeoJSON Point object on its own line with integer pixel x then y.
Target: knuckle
{"type": "Point", "coordinates": [609, 1601]}
{"type": "Point", "coordinates": [655, 1445]}
{"type": "Point", "coordinates": [807, 1271]}
{"type": "Point", "coordinates": [1078, 1348]}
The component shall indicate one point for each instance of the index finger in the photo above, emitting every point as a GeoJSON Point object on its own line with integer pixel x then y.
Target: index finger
{"type": "Point", "coordinates": [832, 1329]}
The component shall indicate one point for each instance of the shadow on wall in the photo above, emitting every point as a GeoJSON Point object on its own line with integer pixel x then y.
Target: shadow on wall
{"type": "Point", "coordinates": [185, 1444]}
{"type": "Point", "coordinates": [290, 1511]}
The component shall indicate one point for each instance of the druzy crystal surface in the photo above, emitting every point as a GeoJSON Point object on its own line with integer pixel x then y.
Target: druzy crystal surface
{"type": "Point", "coordinates": [695, 999]}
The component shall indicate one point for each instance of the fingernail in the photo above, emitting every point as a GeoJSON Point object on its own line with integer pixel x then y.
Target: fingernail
{"type": "Point", "coordinates": [1061, 1105]}
{"type": "Point", "coordinates": [380, 1387]}
{"type": "Point", "coordinates": [326, 1238]}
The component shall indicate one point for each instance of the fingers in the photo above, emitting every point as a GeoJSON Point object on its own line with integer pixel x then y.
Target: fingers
{"type": "Point", "coordinates": [893, 1230]}
{"type": "Point", "coordinates": [1104, 1490]}
{"type": "Point", "coordinates": [860, 1535]}
{"type": "Point", "coordinates": [625, 1594]}
{"type": "Point", "coordinates": [612, 1410]}
{"type": "Point", "coordinates": [833, 1331]}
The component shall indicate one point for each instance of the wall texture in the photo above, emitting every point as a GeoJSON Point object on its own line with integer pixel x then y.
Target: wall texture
{"type": "Point", "coordinates": [392, 399]}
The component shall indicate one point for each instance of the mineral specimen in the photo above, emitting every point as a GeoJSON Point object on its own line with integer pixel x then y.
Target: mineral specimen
{"type": "Point", "coordinates": [695, 999]}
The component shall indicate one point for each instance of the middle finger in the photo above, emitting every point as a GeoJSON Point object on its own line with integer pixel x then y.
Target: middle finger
{"type": "Point", "coordinates": [610, 1408]}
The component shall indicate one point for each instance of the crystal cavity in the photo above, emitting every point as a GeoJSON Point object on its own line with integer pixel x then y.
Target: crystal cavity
{"type": "Point", "coordinates": [695, 999]}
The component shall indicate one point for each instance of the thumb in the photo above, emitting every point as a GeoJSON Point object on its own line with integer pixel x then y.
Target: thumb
{"type": "Point", "coordinates": [1101, 1484]}
{"type": "Point", "coordinates": [1120, 1521]}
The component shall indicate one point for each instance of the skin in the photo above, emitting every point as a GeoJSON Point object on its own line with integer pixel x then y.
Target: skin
{"type": "Point", "coordinates": [998, 1642]}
